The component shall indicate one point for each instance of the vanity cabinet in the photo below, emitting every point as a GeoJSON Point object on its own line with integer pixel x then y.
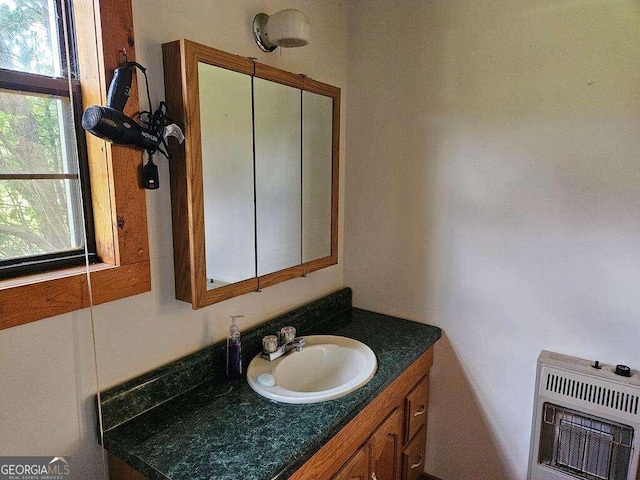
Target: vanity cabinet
{"type": "Point", "coordinates": [386, 440]}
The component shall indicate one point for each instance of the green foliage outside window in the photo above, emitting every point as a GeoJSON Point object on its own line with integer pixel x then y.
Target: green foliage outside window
{"type": "Point", "coordinates": [41, 215]}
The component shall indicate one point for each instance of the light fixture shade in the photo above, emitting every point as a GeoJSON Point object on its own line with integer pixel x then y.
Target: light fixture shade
{"type": "Point", "coordinates": [287, 28]}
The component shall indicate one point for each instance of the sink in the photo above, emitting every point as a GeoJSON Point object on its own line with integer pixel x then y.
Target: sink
{"type": "Point", "coordinates": [328, 367]}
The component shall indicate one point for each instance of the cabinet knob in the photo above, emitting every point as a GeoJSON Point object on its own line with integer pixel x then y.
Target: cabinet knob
{"type": "Point", "coordinates": [373, 476]}
{"type": "Point", "coordinates": [423, 408]}
{"type": "Point", "coordinates": [416, 465]}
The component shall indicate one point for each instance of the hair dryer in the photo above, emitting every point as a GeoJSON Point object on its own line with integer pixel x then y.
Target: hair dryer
{"type": "Point", "coordinates": [116, 127]}
{"type": "Point", "coordinates": [110, 123]}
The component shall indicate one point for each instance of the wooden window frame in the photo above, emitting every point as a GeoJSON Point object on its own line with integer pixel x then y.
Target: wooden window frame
{"type": "Point", "coordinates": [117, 197]}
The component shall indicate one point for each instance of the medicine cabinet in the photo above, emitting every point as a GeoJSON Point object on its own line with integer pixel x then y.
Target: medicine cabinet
{"type": "Point", "coordinates": [254, 188]}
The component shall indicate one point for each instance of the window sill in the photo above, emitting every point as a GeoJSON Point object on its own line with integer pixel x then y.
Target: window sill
{"type": "Point", "coordinates": [34, 297]}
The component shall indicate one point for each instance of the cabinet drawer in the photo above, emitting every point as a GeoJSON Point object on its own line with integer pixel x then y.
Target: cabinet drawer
{"type": "Point", "coordinates": [416, 409]}
{"type": "Point", "coordinates": [413, 456]}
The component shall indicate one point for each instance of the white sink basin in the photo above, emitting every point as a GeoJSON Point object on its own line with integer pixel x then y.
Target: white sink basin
{"type": "Point", "coordinates": [328, 367]}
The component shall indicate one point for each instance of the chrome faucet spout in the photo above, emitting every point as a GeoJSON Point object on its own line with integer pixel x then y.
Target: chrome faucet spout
{"type": "Point", "coordinates": [298, 343]}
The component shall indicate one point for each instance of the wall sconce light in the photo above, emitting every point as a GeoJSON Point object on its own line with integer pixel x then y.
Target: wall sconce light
{"type": "Point", "coordinates": [287, 28]}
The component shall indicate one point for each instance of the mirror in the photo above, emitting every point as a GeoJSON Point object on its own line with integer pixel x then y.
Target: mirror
{"type": "Point", "coordinates": [227, 175]}
{"type": "Point", "coordinates": [255, 188]}
{"type": "Point", "coordinates": [278, 175]}
{"type": "Point", "coordinates": [317, 133]}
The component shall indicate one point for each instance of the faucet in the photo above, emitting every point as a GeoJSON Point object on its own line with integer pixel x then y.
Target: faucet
{"type": "Point", "coordinates": [275, 346]}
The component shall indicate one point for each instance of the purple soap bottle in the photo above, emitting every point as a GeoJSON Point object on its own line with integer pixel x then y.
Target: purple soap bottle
{"type": "Point", "coordinates": [234, 350]}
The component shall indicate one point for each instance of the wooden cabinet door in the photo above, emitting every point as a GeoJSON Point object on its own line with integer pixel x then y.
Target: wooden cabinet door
{"type": "Point", "coordinates": [386, 448]}
{"type": "Point", "coordinates": [357, 468]}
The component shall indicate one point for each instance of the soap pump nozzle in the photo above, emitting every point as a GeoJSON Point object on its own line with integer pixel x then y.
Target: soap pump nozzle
{"type": "Point", "coordinates": [233, 329]}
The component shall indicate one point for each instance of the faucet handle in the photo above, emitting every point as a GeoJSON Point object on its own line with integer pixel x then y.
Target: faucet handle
{"type": "Point", "coordinates": [269, 344]}
{"type": "Point", "coordinates": [288, 334]}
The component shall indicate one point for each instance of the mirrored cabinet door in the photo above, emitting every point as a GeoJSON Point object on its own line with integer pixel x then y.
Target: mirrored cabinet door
{"type": "Point", "coordinates": [227, 174]}
{"type": "Point", "coordinates": [254, 188]}
{"type": "Point", "coordinates": [317, 142]}
{"type": "Point", "coordinates": [278, 175]}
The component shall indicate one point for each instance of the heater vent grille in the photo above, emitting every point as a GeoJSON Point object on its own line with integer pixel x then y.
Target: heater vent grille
{"type": "Point", "coordinates": [591, 392]}
{"type": "Point", "coordinates": [586, 422]}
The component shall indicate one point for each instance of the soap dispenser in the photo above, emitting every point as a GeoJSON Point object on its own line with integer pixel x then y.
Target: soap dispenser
{"type": "Point", "coordinates": [234, 349]}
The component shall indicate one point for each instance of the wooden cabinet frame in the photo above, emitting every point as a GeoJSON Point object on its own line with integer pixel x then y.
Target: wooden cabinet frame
{"type": "Point", "coordinates": [103, 29]}
{"type": "Point", "coordinates": [181, 60]}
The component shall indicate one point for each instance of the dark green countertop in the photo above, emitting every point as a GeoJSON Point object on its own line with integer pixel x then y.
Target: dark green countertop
{"type": "Point", "coordinates": [222, 429]}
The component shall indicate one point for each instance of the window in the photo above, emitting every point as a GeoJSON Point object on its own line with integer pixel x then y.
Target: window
{"type": "Point", "coordinates": [44, 222]}
{"type": "Point", "coordinates": [103, 28]}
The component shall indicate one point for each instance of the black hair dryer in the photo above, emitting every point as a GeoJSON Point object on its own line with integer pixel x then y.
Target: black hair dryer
{"type": "Point", "coordinates": [116, 127]}
{"type": "Point", "coordinates": [111, 124]}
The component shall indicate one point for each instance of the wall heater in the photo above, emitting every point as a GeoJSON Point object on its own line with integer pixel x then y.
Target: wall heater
{"type": "Point", "coordinates": [586, 420]}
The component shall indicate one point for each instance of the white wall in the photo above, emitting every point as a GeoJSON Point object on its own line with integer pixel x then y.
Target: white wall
{"type": "Point", "coordinates": [493, 189]}
{"type": "Point", "coordinates": [47, 383]}
{"type": "Point", "coordinates": [46, 368]}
